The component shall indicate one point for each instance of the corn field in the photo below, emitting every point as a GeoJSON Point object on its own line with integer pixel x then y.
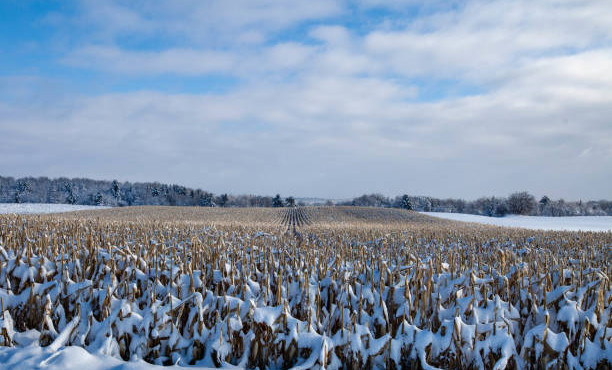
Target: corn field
{"type": "Point", "coordinates": [294, 218]}
{"type": "Point", "coordinates": [359, 288]}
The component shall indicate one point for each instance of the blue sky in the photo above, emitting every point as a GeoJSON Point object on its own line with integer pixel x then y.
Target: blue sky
{"type": "Point", "coordinates": [312, 98]}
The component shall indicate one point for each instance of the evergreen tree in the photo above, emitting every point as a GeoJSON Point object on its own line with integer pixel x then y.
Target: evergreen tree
{"type": "Point", "coordinates": [22, 188]}
{"type": "Point", "coordinates": [115, 189]}
{"type": "Point", "coordinates": [69, 191]}
{"type": "Point", "coordinates": [98, 199]}
{"type": "Point", "coordinates": [277, 201]}
{"type": "Point", "coordinates": [206, 200]}
{"type": "Point", "coordinates": [405, 202]}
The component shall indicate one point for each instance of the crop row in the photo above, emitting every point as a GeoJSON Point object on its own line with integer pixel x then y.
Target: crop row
{"type": "Point", "coordinates": [343, 297]}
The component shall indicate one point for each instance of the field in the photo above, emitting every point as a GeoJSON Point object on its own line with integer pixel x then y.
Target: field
{"type": "Point", "coordinates": [41, 208]}
{"type": "Point", "coordinates": [349, 288]}
{"type": "Point", "coordinates": [568, 223]}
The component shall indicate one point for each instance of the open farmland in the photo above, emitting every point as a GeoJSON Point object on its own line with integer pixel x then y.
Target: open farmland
{"type": "Point", "coordinates": [327, 217]}
{"type": "Point", "coordinates": [352, 288]}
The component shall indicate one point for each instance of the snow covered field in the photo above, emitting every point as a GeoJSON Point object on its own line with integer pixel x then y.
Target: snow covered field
{"type": "Point", "coordinates": [90, 292]}
{"type": "Point", "coordinates": [36, 208]}
{"type": "Point", "coordinates": [572, 223]}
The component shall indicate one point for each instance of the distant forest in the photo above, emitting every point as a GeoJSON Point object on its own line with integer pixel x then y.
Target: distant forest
{"type": "Point", "coordinates": [114, 193]}
{"type": "Point", "coordinates": [519, 203]}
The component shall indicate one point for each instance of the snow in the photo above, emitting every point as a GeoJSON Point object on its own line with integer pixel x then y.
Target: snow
{"type": "Point", "coordinates": [28, 354]}
{"type": "Point", "coordinates": [39, 208]}
{"type": "Point", "coordinates": [569, 223]}
{"type": "Point", "coordinates": [267, 315]}
{"type": "Point", "coordinates": [71, 357]}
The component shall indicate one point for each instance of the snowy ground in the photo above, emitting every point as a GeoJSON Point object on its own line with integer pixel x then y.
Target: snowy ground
{"type": "Point", "coordinates": [28, 354]}
{"type": "Point", "coordinates": [23, 208]}
{"type": "Point", "coordinates": [571, 223]}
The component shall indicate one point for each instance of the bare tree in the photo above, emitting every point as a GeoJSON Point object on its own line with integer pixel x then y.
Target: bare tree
{"type": "Point", "coordinates": [521, 203]}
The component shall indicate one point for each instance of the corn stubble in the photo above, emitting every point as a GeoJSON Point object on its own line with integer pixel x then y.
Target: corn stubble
{"type": "Point", "coordinates": [354, 288]}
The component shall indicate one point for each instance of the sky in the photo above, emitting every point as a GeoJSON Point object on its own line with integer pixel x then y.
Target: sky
{"type": "Point", "coordinates": [312, 98]}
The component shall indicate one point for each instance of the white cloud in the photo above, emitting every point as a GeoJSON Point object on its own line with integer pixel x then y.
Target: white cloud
{"type": "Point", "coordinates": [282, 56]}
{"type": "Point", "coordinates": [332, 35]}
{"type": "Point", "coordinates": [212, 22]}
{"type": "Point", "coordinates": [486, 39]}
{"type": "Point", "coordinates": [177, 61]}
{"type": "Point", "coordinates": [482, 43]}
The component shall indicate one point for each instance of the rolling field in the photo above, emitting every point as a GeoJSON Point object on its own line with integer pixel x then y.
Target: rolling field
{"type": "Point", "coordinates": [265, 217]}
{"type": "Point", "coordinates": [350, 288]}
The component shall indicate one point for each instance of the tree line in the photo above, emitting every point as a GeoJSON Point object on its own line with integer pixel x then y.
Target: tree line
{"type": "Point", "coordinates": [519, 203]}
{"type": "Point", "coordinates": [84, 191]}
{"type": "Point", "coordinates": [114, 193]}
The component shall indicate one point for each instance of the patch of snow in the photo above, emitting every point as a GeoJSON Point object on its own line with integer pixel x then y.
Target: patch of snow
{"type": "Point", "coordinates": [569, 223]}
{"type": "Point", "coordinates": [71, 357]}
{"type": "Point", "coordinates": [267, 315]}
{"type": "Point", "coordinates": [40, 208]}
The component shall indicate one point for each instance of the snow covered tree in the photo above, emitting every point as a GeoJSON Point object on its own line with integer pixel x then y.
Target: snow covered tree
{"type": "Point", "coordinates": [21, 189]}
{"type": "Point", "coordinates": [370, 200]}
{"type": "Point", "coordinates": [207, 200]}
{"type": "Point", "coordinates": [98, 199]}
{"type": "Point", "coordinates": [500, 207]}
{"type": "Point", "coordinates": [128, 195]}
{"type": "Point", "coordinates": [115, 190]}
{"type": "Point", "coordinates": [69, 191]}
{"type": "Point", "coordinates": [543, 203]}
